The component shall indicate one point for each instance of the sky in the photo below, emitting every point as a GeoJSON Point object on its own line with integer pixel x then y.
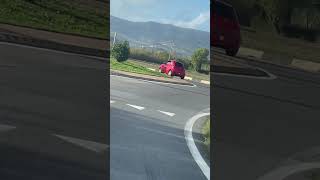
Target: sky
{"type": "Point", "coordinates": [194, 14]}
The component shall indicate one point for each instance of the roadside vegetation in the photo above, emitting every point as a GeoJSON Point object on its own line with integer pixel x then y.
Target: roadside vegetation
{"type": "Point", "coordinates": [88, 18]}
{"type": "Point", "coordinates": [282, 28]}
{"type": "Point", "coordinates": [133, 68]}
{"type": "Point", "coordinates": [206, 133]}
{"type": "Point", "coordinates": [197, 66]}
{"type": "Point", "coordinates": [119, 55]}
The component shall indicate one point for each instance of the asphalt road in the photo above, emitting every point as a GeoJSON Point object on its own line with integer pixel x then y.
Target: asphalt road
{"type": "Point", "coordinates": [53, 115]}
{"type": "Point", "coordinates": [147, 121]}
{"type": "Point", "coordinates": [261, 125]}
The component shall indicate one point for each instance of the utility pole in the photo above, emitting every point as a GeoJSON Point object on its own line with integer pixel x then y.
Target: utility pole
{"type": "Point", "coordinates": [114, 39]}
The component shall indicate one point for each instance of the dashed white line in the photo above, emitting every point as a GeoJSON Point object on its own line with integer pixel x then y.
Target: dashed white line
{"type": "Point", "coordinates": [6, 128]}
{"type": "Point", "coordinates": [91, 145]}
{"type": "Point", "coordinates": [136, 107]}
{"type": "Point", "coordinates": [192, 146]}
{"type": "Point", "coordinates": [167, 113]}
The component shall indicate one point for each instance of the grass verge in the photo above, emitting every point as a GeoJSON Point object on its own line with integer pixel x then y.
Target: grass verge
{"type": "Point", "coordinates": [279, 47]}
{"type": "Point", "coordinates": [128, 66]}
{"type": "Point", "coordinates": [193, 74]}
{"type": "Point", "coordinates": [206, 133]}
{"type": "Point", "coordinates": [66, 16]}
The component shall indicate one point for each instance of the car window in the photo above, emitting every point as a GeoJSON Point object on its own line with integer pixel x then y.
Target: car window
{"type": "Point", "coordinates": [225, 11]}
{"type": "Point", "coordinates": [179, 64]}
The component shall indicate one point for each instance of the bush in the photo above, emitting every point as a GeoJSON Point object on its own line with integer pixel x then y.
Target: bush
{"type": "Point", "coordinates": [199, 56]}
{"type": "Point", "coordinates": [121, 51]}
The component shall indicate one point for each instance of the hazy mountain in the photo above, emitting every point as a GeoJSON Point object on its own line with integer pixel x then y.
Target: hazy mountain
{"type": "Point", "coordinates": [186, 40]}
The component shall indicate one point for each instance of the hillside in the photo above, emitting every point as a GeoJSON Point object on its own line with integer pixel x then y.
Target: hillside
{"type": "Point", "coordinates": [186, 40]}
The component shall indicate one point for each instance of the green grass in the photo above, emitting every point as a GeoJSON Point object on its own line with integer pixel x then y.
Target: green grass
{"type": "Point", "coordinates": [206, 133]}
{"type": "Point", "coordinates": [279, 48]}
{"type": "Point", "coordinates": [66, 16]}
{"type": "Point", "coordinates": [189, 73]}
{"type": "Point", "coordinates": [128, 66]}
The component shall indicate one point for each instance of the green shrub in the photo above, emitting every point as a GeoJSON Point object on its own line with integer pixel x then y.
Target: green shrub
{"type": "Point", "coordinates": [199, 56]}
{"type": "Point", "coordinates": [121, 51]}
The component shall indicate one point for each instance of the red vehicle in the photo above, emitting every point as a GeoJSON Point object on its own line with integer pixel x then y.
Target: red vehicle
{"type": "Point", "coordinates": [225, 27]}
{"type": "Point", "coordinates": [173, 68]}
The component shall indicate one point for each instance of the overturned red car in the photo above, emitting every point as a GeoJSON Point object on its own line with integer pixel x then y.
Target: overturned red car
{"type": "Point", "coordinates": [173, 68]}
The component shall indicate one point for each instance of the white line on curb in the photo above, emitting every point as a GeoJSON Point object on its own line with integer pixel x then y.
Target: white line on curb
{"type": "Point", "coordinates": [151, 69]}
{"type": "Point", "coordinates": [192, 146]}
{"type": "Point", "coordinates": [167, 113]}
{"type": "Point", "coordinates": [6, 127]}
{"type": "Point", "coordinates": [136, 107]}
{"type": "Point", "coordinates": [188, 78]}
{"type": "Point", "coordinates": [93, 146]}
{"type": "Point", "coordinates": [204, 82]}
{"type": "Point", "coordinates": [112, 101]}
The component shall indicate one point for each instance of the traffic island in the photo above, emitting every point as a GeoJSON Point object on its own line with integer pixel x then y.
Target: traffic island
{"type": "Point", "coordinates": [150, 78]}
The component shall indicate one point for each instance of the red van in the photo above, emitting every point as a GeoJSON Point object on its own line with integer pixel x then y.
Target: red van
{"type": "Point", "coordinates": [225, 27]}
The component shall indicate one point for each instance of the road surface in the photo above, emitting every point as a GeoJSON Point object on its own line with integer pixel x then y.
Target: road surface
{"type": "Point", "coordinates": [147, 129]}
{"type": "Point", "coordinates": [53, 115]}
{"type": "Point", "coordinates": [261, 125]}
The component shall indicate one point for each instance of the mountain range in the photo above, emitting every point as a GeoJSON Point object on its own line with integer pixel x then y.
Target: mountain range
{"type": "Point", "coordinates": [153, 33]}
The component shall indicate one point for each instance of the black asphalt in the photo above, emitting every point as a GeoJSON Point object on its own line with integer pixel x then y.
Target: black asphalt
{"type": "Point", "coordinates": [260, 124]}
{"type": "Point", "coordinates": [147, 144]}
{"type": "Point", "coordinates": [43, 94]}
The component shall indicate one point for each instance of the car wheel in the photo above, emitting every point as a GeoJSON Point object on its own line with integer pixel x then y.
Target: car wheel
{"type": "Point", "coordinates": [231, 52]}
{"type": "Point", "coordinates": [182, 77]}
{"type": "Point", "coordinates": [170, 73]}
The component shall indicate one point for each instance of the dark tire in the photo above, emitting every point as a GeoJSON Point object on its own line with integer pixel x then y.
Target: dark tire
{"type": "Point", "coordinates": [232, 52]}
{"type": "Point", "coordinates": [182, 77]}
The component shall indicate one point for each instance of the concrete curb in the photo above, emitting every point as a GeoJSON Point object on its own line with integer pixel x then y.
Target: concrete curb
{"type": "Point", "coordinates": [238, 71]}
{"type": "Point", "coordinates": [137, 76]}
{"type": "Point", "coordinates": [24, 40]}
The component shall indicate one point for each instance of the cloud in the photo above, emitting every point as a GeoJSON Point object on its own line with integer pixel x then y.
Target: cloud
{"type": "Point", "coordinates": [196, 22]}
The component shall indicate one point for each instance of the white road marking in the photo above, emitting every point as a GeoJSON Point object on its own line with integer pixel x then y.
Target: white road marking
{"type": "Point", "coordinates": [93, 146]}
{"type": "Point", "coordinates": [6, 128]}
{"type": "Point", "coordinates": [111, 102]}
{"type": "Point", "coordinates": [167, 113]}
{"type": "Point", "coordinates": [136, 107]}
{"type": "Point", "coordinates": [192, 146]}
{"type": "Point", "coordinates": [188, 78]}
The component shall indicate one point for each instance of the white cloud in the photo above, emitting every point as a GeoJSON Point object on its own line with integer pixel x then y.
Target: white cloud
{"type": "Point", "coordinates": [194, 23]}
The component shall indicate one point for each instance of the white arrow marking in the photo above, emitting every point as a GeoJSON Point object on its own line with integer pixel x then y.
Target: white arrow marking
{"type": "Point", "coordinates": [135, 106]}
{"type": "Point", "coordinates": [93, 146]}
{"type": "Point", "coordinates": [167, 113]}
{"type": "Point", "coordinates": [6, 128]}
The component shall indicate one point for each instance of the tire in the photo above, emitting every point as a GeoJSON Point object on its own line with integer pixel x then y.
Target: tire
{"type": "Point", "coordinates": [170, 73]}
{"type": "Point", "coordinates": [182, 77]}
{"type": "Point", "coordinates": [231, 52]}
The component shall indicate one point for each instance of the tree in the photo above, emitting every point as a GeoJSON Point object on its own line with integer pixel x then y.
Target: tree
{"type": "Point", "coordinates": [121, 51]}
{"type": "Point", "coordinates": [199, 56]}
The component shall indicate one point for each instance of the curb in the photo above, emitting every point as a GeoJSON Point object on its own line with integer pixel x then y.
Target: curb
{"type": "Point", "coordinates": [148, 79]}
{"type": "Point", "coordinates": [238, 71]}
{"type": "Point", "coordinates": [10, 38]}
